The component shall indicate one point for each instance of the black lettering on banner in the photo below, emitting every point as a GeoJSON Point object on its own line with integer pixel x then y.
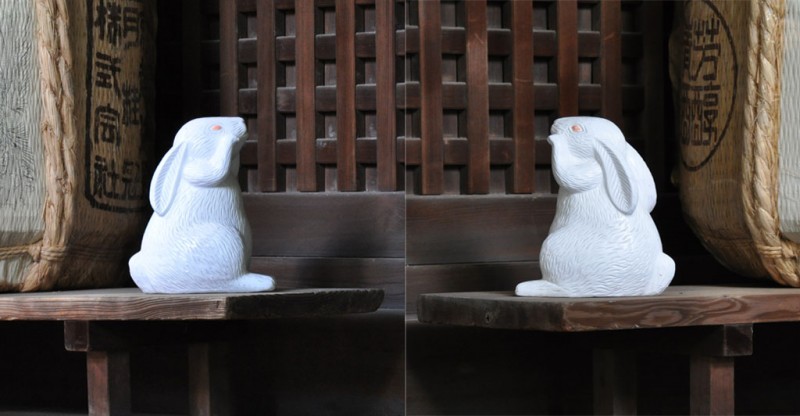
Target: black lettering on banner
{"type": "Point", "coordinates": [109, 21]}
{"type": "Point", "coordinates": [132, 26]}
{"type": "Point", "coordinates": [115, 179]}
{"type": "Point", "coordinates": [131, 105]}
{"type": "Point", "coordinates": [106, 125]}
{"type": "Point", "coordinates": [702, 90]}
{"type": "Point", "coordinates": [706, 76]}
{"type": "Point", "coordinates": [107, 71]}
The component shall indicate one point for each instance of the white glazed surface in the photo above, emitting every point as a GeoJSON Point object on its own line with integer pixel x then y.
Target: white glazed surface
{"type": "Point", "coordinates": [603, 241]}
{"type": "Point", "coordinates": [198, 239]}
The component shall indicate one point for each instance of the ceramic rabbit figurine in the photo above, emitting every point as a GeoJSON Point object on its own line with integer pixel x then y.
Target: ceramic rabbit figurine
{"type": "Point", "coordinates": [198, 239]}
{"type": "Point", "coordinates": [603, 241]}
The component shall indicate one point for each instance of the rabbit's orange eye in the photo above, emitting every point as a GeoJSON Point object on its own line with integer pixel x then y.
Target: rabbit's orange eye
{"type": "Point", "coordinates": [216, 127]}
{"type": "Point", "coordinates": [577, 128]}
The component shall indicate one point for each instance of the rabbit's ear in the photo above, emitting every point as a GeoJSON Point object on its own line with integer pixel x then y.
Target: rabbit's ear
{"type": "Point", "coordinates": [166, 179]}
{"type": "Point", "coordinates": [618, 176]}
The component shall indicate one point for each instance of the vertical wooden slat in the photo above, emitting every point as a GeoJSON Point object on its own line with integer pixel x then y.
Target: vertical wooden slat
{"type": "Point", "coordinates": [430, 69]}
{"type": "Point", "coordinates": [385, 105]}
{"type": "Point", "coordinates": [566, 30]}
{"type": "Point", "coordinates": [267, 163]}
{"type": "Point", "coordinates": [523, 178]}
{"type": "Point", "coordinates": [305, 96]}
{"type": "Point", "coordinates": [228, 58]}
{"type": "Point", "coordinates": [191, 78]}
{"type": "Point", "coordinates": [477, 98]}
{"type": "Point", "coordinates": [346, 95]}
{"type": "Point", "coordinates": [652, 68]}
{"type": "Point", "coordinates": [611, 61]}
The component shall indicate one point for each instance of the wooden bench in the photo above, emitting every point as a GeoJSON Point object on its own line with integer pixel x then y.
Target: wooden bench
{"type": "Point", "coordinates": [711, 324]}
{"type": "Point", "coordinates": [106, 324]}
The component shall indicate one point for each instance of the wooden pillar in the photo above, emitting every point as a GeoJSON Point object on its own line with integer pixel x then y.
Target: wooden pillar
{"type": "Point", "coordinates": [209, 390]}
{"type": "Point", "coordinates": [614, 382]}
{"type": "Point", "coordinates": [711, 385]}
{"type": "Point", "coordinates": [108, 382]}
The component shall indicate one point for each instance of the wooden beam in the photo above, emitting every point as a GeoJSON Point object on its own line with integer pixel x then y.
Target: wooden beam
{"type": "Point", "coordinates": [108, 383]}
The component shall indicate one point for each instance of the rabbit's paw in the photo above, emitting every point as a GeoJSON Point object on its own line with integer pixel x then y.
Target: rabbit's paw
{"type": "Point", "coordinates": [540, 288]}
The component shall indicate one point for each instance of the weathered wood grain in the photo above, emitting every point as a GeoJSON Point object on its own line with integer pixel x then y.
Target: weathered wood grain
{"type": "Point", "coordinates": [130, 304]}
{"type": "Point", "coordinates": [386, 274]}
{"type": "Point", "coordinates": [461, 229]}
{"type": "Point", "coordinates": [469, 277]}
{"type": "Point", "coordinates": [352, 224]}
{"type": "Point", "coordinates": [679, 306]}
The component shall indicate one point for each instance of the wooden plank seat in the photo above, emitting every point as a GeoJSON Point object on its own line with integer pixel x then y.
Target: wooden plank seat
{"type": "Point", "coordinates": [107, 323]}
{"type": "Point", "coordinates": [711, 324]}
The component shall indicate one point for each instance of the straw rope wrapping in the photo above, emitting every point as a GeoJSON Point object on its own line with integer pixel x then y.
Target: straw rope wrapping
{"type": "Point", "coordinates": [762, 127]}
{"type": "Point", "coordinates": [58, 132]}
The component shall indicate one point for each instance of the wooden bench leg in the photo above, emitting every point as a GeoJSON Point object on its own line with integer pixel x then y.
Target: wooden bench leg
{"type": "Point", "coordinates": [711, 385]}
{"type": "Point", "coordinates": [209, 392]}
{"type": "Point", "coordinates": [108, 378]}
{"type": "Point", "coordinates": [614, 382]}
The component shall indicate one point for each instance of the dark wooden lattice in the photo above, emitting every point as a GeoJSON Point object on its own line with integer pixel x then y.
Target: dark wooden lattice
{"type": "Point", "coordinates": [429, 97]}
{"type": "Point", "coordinates": [485, 80]}
{"type": "Point", "coordinates": [316, 82]}
{"type": "Point", "coordinates": [342, 95]}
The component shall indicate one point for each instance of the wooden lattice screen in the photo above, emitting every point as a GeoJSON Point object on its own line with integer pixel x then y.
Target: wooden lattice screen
{"type": "Point", "coordinates": [316, 83]}
{"type": "Point", "coordinates": [487, 79]}
{"type": "Point", "coordinates": [344, 95]}
{"type": "Point", "coordinates": [407, 99]}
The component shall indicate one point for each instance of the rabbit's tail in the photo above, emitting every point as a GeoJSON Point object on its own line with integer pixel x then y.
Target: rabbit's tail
{"type": "Point", "coordinates": [540, 288]}
{"type": "Point", "coordinates": [664, 271]}
{"type": "Point", "coordinates": [252, 282]}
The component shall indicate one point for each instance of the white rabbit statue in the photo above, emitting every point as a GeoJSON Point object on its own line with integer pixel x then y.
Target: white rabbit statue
{"type": "Point", "coordinates": [198, 239]}
{"type": "Point", "coordinates": [603, 241]}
